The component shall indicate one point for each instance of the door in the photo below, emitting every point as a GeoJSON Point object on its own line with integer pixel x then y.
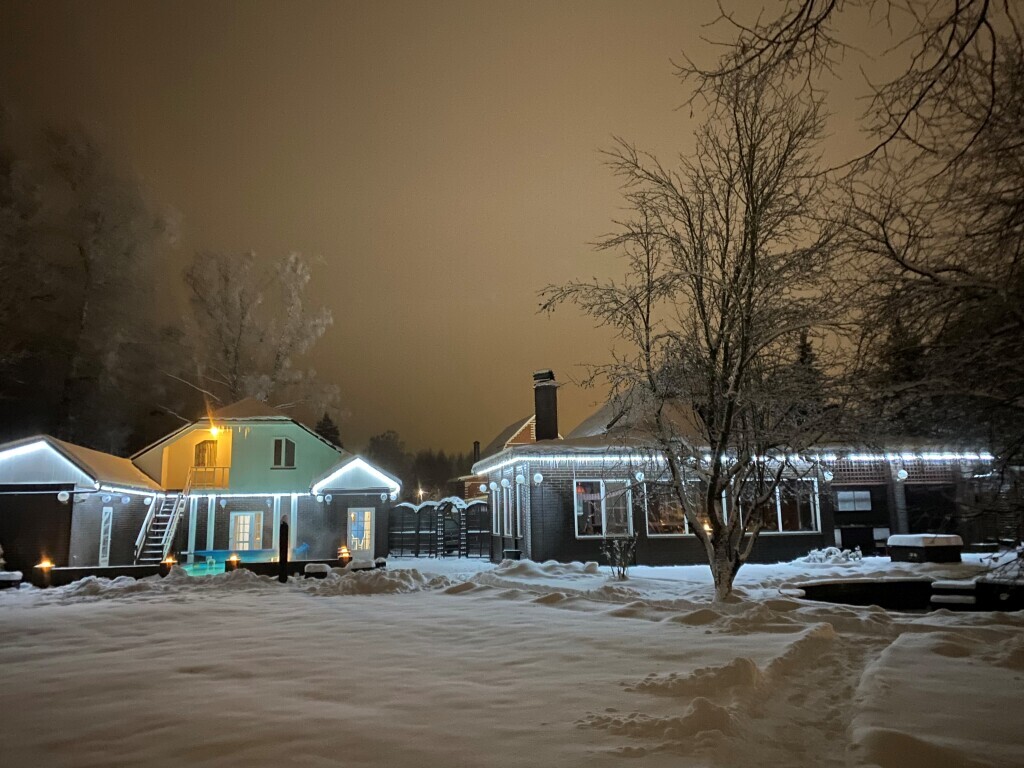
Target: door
{"type": "Point", "coordinates": [106, 525]}
{"type": "Point", "coordinates": [246, 530]}
{"type": "Point", "coordinates": [360, 533]}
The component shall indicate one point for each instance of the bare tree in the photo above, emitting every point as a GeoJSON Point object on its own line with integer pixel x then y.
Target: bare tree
{"type": "Point", "coordinates": [731, 265]}
{"type": "Point", "coordinates": [937, 202]}
{"type": "Point", "coordinates": [249, 323]}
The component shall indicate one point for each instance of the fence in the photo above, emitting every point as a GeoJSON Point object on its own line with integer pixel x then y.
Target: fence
{"type": "Point", "coordinates": [447, 528]}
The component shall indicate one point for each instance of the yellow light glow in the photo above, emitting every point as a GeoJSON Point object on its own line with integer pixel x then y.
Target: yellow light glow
{"type": "Point", "coordinates": [234, 558]}
{"type": "Point", "coordinates": [169, 560]}
{"type": "Point", "coordinates": [214, 431]}
{"type": "Point", "coordinates": [45, 564]}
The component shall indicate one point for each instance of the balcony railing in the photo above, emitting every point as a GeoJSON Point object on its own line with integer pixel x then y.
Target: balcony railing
{"type": "Point", "coordinates": [209, 477]}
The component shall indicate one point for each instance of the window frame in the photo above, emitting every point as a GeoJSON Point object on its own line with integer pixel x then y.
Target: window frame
{"type": "Point", "coordinates": [813, 498]}
{"type": "Point", "coordinates": [853, 493]}
{"type": "Point", "coordinates": [628, 486]}
{"type": "Point", "coordinates": [284, 442]}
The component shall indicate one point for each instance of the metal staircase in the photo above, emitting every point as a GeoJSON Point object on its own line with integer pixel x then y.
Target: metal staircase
{"type": "Point", "coordinates": [157, 533]}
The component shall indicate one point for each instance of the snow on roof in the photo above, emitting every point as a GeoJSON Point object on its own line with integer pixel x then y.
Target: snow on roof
{"type": "Point", "coordinates": [106, 468]}
{"type": "Point", "coordinates": [249, 408]}
{"type": "Point", "coordinates": [500, 442]}
{"type": "Point", "coordinates": [101, 468]}
{"type": "Point", "coordinates": [355, 473]}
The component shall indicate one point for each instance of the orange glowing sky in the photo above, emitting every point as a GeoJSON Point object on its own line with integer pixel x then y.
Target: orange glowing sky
{"type": "Point", "coordinates": [441, 157]}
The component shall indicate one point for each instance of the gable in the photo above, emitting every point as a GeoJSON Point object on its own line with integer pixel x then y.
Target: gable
{"type": "Point", "coordinates": [356, 474]}
{"type": "Point", "coordinates": [37, 462]}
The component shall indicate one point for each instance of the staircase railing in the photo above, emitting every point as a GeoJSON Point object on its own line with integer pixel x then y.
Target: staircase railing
{"type": "Point", "coordinates": [209, 477]}
{"type": "Point", "coordinates": [140, 541]}
{"type": "Point", "coordinates": [179, 505]}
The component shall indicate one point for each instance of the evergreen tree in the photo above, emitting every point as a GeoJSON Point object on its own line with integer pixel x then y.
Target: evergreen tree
{"type": "Point", "coordinates": [328, 430]}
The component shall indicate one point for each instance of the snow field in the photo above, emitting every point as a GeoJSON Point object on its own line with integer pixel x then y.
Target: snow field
{"type": "Point", "coordinates": [459, 663]}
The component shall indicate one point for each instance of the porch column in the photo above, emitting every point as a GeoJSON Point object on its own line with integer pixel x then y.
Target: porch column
{"type": "Point", "coordinates": [899, 502]}
{"type": "Point", "coordinates": [211, 510]}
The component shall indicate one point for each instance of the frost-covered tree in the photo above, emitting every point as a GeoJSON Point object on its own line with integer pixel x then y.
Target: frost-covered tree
{"type": "Point", "coordinates": [730, 273]}
{"type": "Point", "coordinates": [247, 325]}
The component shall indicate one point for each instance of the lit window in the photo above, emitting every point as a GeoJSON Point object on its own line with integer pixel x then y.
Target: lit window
{"type": "Point", "coordinates": [665, 516]}
{"type": "Point", "coordinates": [284, 453]}
{"type": "Point", "coordinates": [603, 508]}
{"type": "Point", "coordinates": [206, 454]}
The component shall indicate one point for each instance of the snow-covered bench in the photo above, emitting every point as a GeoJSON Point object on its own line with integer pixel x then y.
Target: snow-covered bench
{"type": "Point", "coordinates": [925, 548]}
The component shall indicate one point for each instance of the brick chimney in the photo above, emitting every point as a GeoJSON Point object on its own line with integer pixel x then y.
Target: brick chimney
{"type": "Point", "coordinates": [545, 404]}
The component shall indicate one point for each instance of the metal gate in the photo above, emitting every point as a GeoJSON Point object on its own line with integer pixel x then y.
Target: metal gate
{"type": "Point", "coordinates": [447, 528]}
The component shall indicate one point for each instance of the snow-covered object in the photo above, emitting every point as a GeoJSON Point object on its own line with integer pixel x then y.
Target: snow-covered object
{"type": "Point", "coordinates": [316, 568]}
{"type": "Point", "coordinates": [924, 540]}
{"type": "Point", "coordinates": [10, 575]}
{"type": "Point", "coordinates": [833, 555]}
{"type": "Point", "coordinates": [519, 664]}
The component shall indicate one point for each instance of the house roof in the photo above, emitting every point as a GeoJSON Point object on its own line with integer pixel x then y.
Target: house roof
{"type": "Point", "coordinates": [632, 415]}
{"type": "Point", "coordinates": [500, 441]}
{"type": "Point", "coordinates": [249, 408]}
{"type": "Point", "coordinates": [102, 468]}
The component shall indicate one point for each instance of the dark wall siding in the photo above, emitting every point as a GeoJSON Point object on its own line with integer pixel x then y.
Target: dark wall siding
{"type": "Point", "coordinates": [552, 533]}
{"type": "Point", "coordinates": [126, 523]}
{"type": "Point", "coordinates": [319, 529]}
{"type": "Point", "coordinates": [33, 525]}
{"type": "Point", "coordinates": [84, 549]}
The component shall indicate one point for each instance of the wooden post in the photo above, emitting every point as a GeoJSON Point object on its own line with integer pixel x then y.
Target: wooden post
{"type": "Point", "coordinates": [282, 552]}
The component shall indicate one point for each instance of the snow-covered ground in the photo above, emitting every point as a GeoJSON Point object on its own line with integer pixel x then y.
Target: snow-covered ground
{"type": "Point", "coordinates": [460, 663]}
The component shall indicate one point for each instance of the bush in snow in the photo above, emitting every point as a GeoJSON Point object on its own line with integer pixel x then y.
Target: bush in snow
{"type": "Point", "coordinates": [833, 555]}
{"type": "Point", "coordinates": [619, 551]}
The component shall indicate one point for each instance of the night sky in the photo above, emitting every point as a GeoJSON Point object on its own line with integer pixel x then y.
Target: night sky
{"type": "Point", "coordinates": [441, 159]}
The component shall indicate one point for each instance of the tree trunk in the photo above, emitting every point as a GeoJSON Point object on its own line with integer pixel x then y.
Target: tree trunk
{"type": "Point", "coordinates": [724, 566]}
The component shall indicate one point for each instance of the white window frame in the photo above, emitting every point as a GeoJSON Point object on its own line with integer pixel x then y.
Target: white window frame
{"type": "Point", "coordinates": [853, 494]}
{"type": "Point", "coordinates": [508, 512]}
{"type": "Point", "coordinates": [604, 508]}
{"type": "Point", "coordinates": [106, 534]}
{"type": "Point", "coordinates": [256, 534]}
{"type": "Point", "coordinates": [284, 453]}
{"type": "Point", "coordinates": [517, 532]}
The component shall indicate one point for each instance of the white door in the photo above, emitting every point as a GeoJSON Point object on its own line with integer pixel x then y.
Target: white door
{"type": "Point", "coordinates": [246, 530]}
{"type": "Point", "coordinates": [360, 533]}
{"type": "Point", "coordinates": [106, 525]}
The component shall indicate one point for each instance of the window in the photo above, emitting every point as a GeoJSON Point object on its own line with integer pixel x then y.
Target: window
{"type": "Point", "coordinates": [796, 506]}
{"type": "Point", "coordinates": [853, 501]}
{"type": "Point", "coordinates": [793, 510]}
{"type": "Point", "coordinates": [246, 530]}
{"type": "Point", "coordinates": [509, 512]}
{"type": "Point", "coordinates": [284, 453]}
{"type": "Point", "coordinates": [206, 454]}
{"type": "Point", "coordinates": [603, 508]}
{"type": "Point", "coordinates": [665, 515]}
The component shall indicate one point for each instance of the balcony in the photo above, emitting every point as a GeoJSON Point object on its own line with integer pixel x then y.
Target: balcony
{"type": "Point", "coordinates": [209, 478]}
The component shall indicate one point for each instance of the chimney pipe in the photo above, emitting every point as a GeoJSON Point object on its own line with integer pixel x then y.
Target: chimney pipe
{"type": "Point", "coordinates": [476, 451]}
{"type": "Point", "coordinates": [545, 404]}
